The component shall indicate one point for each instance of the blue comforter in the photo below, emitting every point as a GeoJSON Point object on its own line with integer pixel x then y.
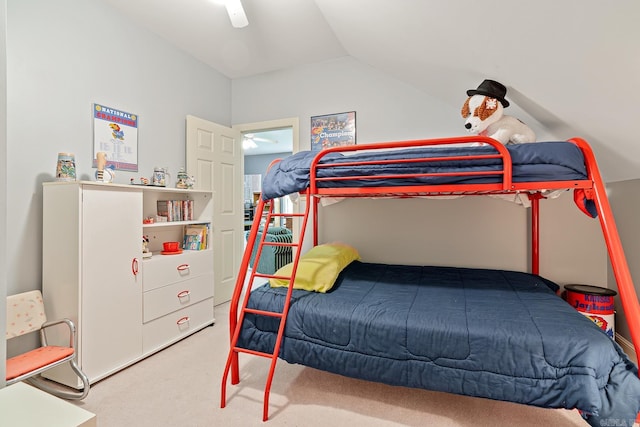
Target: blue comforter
{"type": "Point", "coordinates": [496, 334]}
{"type": "Point", "coordinates": [541, 161]}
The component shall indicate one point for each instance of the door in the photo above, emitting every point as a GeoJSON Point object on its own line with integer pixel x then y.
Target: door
{"type": "Point", "coordinates": [111, 293]}
{"type": "Point", "coordinates": [214, 155]}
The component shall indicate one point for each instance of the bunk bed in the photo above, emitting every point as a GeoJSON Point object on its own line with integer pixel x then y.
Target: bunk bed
{"type": "Point", "coordinates": [495, 334]}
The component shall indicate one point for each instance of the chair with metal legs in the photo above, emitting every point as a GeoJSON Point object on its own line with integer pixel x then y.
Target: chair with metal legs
{"type": "Point", "coordinates": [26, 314]}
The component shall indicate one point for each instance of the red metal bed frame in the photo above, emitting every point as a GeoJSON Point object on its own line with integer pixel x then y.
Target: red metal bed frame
{"type": "Point", "coordinates": [593, 189]}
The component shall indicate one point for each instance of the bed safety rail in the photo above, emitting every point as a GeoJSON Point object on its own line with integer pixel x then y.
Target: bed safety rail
{"type": "Point", "coordinates": [504, 185]}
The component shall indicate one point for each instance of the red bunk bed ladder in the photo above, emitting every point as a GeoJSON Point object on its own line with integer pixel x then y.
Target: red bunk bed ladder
{"type": "Point", "coordinates": [243, 287]}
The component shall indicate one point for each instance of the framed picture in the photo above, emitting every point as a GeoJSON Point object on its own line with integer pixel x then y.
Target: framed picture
{"type": "Point", "coordinates": [333, 130]}
{"type": "Point", "coordinates": [115, 132]}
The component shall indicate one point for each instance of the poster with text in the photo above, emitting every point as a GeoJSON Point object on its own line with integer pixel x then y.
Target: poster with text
{"type": "Point", "coordinates": [115, 132]}
{"type": "Point", "coordinates": [333, 130]}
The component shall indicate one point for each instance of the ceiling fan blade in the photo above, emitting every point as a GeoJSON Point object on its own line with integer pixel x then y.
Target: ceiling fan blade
{"type": "Point", "coordinates": [252, 137]}
{"type": "Point", "coordinates": [258, 139]}
{"type": "Point", "coordinates": [236, 13]}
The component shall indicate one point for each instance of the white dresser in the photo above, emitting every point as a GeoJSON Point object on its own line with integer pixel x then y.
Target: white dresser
{"type": "Point", "coordinates": [177, 297]}
{"type": "Point", "coordinates": [126, 307]}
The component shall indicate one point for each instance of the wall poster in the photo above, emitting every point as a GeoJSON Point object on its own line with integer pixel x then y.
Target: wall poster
{"type": "Point", "coordinates": [333, 130]}
{"type": "Point", "coordinates": [116, 133]}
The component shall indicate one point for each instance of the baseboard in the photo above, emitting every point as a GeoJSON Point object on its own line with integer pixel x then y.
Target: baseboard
{"type": "Point", "coordinates": [628, 348]}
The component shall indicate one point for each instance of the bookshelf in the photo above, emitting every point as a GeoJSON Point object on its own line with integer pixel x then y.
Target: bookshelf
{"type": "Point", "coordinates": [125, 307]}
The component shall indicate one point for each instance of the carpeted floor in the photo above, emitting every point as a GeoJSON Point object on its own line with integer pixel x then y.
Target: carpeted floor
{"type": "Point", "coordinates": [180, 386]}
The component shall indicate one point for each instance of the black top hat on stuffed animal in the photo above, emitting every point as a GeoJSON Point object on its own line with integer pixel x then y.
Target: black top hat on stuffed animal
{"type": "Point", "coordinates": [492, 89]}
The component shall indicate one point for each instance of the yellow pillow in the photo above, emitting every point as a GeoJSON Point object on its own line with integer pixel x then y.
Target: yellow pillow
{"type": "Point", "coordinates": [318, 268]}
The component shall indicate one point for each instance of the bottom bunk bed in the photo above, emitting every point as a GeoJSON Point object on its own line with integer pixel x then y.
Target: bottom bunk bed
{"type": "Point", "coordinates": [496, 334]}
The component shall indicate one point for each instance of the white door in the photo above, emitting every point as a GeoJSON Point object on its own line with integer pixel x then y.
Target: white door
{"type": "Point", "coordinates": [111, 327]}
{"type": "Point", "coordinates": [214, 155]}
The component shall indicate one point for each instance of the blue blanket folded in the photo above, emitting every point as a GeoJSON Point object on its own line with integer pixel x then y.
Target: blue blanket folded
{"type": "Point", "coordinates": [541, 161]}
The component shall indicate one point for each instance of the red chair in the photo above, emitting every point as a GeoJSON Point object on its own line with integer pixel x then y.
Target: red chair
{"type": "Point", "coordinates": [25, 314]}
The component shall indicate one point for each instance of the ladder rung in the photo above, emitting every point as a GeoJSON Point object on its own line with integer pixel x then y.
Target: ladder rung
{"type": "Point", "coordinates": [255, 353]}
{"type": "Point", "coordinates": [265, 243]}
{"type": "Point", "coordinates": [263, 313]}
{"type": "Point", "coordinates": [287, 214]}
{"type": "Point", "coordinates": [271, 276]}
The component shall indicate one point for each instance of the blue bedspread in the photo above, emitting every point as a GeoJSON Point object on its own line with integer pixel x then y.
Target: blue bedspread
{"type": "Point", "coordinates": [541, 161]}
{"type": "Point", "coordinates": [488, 333]}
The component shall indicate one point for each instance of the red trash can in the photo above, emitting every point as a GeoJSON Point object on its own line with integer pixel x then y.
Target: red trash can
{"type": "Point", "coordinates": [594, 302]}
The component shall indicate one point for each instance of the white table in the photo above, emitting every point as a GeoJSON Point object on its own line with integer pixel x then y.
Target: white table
{"type": "Point", "coordinates": [22, 405]}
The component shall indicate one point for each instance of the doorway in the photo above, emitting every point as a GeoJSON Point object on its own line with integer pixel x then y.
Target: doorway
{"type": "Point", "coordinates": [264, 142]}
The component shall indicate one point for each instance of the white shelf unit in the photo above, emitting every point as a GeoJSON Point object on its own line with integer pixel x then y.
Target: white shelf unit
{"type": "Point", "coordinates": [125, 307]}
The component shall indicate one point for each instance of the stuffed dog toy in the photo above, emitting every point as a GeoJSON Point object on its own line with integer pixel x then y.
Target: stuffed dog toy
{"type": "Point", "coordinates": [484, 114]}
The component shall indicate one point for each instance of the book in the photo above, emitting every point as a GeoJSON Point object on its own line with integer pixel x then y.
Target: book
{"type": "Point", "coordinates": [195, 237]}
{"type": "Point", "coordinates": [165, 208]}
{"type": "Point", "coordinates": [188, 209]}
{"type": "Point", "coordinates": [192, 242]}
{"type": "Point", "coordinates": [185, 210]}
{"type": "Point", "coordinates": [175, 210]}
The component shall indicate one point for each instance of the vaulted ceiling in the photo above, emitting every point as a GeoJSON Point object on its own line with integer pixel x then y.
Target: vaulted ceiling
{"type": "Point", "coordinates": [573, 66]}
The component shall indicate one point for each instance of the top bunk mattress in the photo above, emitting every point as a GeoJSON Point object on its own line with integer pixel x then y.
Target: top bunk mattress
{"type": "Point", "coordinates": [533, 162]}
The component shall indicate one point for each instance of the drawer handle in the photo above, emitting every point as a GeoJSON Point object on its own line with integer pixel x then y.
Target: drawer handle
{"type": "Point", "coordinates": [182, 320]}
{"type": "Point", "coordinates": [184, 294]}
{"type": "Point", "coordinates": [183, 267]}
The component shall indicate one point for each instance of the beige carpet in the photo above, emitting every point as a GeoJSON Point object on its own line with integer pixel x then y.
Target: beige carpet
{"type": "Point", "coordinates": [180, 386]}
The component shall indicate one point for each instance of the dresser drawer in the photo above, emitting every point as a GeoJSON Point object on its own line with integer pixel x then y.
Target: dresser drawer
{"type": "Point", "coordinates": [161, 301]}
{"type": "Point", "coordinates": [172, 327]}
{"type": "Point", "coordinates": [161, 270]}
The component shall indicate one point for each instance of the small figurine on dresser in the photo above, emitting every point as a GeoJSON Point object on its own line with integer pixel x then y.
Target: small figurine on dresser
{"type": "Point", "coordinates": [146, 253]}
{"type": "Point", "coordinates": [104, 172]}
{"type": "Point", "coordinates": [184, 180]}
{"type": "Point", "coordinates": [160, 176]}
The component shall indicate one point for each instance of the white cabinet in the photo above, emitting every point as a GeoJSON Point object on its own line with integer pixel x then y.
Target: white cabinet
{"type": "Point", "coordinates": [177, 297]}
{"type": "Point", "coordinates": [125, 307]}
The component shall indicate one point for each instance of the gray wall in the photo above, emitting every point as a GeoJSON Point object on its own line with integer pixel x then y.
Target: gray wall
{"type": "Point", "coordinates": [386, 109]}
{"type": "Point", "coordinates": [254, 165]}
{"type": "Point", "coordinates": [481, 232]}
{"type": "Point", "coordinates": [62, 57]}
{"type": "Point", "coordinates": [471, 232]}
{"type": "Point", "coordinates": [474, 232]}
{"type": "Point", "coordinates": [625, 203]}
{"type": "Point", "coordinates": [3, 179]}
